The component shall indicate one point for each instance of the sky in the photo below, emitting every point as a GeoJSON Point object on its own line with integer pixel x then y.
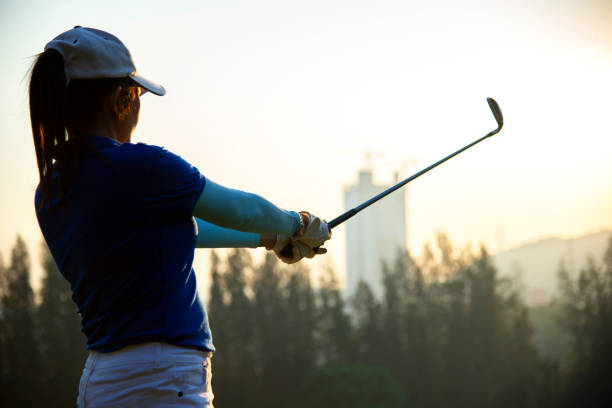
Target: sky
{"type": "Point", "coordinates": [283, 98]}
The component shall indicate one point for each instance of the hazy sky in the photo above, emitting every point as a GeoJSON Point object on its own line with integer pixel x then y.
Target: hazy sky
{"type": "Point", "coordinates": [282, 98]}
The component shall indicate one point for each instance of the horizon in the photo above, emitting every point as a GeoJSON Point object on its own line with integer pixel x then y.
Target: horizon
{"type": "Point", "coordinates": [603, 230]}
{"type": "Point", "coordinates": [36, 275]}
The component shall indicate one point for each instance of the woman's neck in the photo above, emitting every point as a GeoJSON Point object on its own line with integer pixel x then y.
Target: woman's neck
{"type": "Point", "coordinates": [105, 128]}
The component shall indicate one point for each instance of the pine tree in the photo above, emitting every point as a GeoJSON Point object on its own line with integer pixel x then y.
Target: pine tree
{"type": "Point", "coordinates": [238, 348]}
{"type": "Point", "coordinates": [368, 327]}
{"type": "Point", "coordinates": [20, 383]}
{"type": "Point", "coordinates": [336, 338]}
{"type": "Point", "coordinates": [4, 344]}
{"type": "Point", "coordinates": [302, 326]}
{"type": "Point", "coordinates": [415, 330]}
{"type": "Point", "coordinates": [62, 344]}
{"type": "Point", "coordinates": [587, 313]}
{"type": "Point", "coordinates": [395, 319]}
{"type": "Point", "coordinates": [271, 333]}
{"type": "Point", "coordinates": [220, 320]}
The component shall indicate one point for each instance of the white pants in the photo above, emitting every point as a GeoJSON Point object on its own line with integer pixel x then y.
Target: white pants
{"type": "Point", "coordinates": [147, 375]}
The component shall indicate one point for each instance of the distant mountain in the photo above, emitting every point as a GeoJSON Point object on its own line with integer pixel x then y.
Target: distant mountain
{"type": "Point", "coordinates": [537, 263]}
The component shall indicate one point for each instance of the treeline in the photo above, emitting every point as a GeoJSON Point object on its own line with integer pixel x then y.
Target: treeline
{"type": "Point", "coordinates": [42, 350]}
{"type": "Point", "coordinates": [448, 331]}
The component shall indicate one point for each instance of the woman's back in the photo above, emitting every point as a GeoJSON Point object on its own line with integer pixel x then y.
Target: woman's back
{"type": "Point", "coordinates": [125, 239]}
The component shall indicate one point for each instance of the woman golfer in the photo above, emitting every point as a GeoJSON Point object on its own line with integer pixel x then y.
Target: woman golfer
{"type": "Point", "coordinates": [122, 221]}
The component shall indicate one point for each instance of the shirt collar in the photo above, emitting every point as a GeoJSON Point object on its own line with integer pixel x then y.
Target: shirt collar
{"type": "Point", "coordinates": [102, 141]}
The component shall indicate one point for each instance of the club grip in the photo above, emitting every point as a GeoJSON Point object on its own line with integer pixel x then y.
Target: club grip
{"type": "Point", "coordinates": [287, 251]}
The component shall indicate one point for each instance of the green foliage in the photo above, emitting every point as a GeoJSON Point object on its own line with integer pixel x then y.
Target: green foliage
{"type": "Point", "coordinates": [231, 322]}
{"type": "Point", "coordinates": [350, 386]}
{"type": "Point", "coordinates": [19, 385]}
{"type": "Point", "coordinates": [587, 316]}
{"type": "Point", "coordinates": [336, 340]}
{"type": "Point", "coordinates": [42, 351]}
{"type": "Point", "coordinates": [447, 331]}
{"type": "Point", "coordinates": [61, 344]}
{"type": "Point", "coordinates": [550, 339]}
{"type": "Point", "coordinates": [272, 333]}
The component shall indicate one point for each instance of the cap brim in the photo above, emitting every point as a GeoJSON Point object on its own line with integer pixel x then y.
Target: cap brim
{"type": "Point", "coordinates": [148, 85]}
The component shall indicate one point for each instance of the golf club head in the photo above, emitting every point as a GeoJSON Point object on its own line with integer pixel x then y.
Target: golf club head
{"type": "Point", "coordinates": [496, 112]}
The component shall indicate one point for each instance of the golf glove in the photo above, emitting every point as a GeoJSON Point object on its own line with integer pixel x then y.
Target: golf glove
{"type": "Point", "coordinates": [314, 233]}
{"type": "Point", "coordinates": [291, 252]}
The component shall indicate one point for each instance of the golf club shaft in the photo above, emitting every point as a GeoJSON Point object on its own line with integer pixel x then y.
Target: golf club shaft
{"type": "Point", "coordinates": [341, 218]}
{"type": "Point", "coordinates": [288, 250]}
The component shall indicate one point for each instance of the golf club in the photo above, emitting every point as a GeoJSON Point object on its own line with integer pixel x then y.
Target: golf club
{"type": "Point", "coordinates": [287, 251]}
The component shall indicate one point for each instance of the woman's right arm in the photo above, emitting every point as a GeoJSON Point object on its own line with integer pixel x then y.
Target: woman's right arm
{"type": "Point", "coordinates": [168, 187]}
{"type": "Point", "coordinates": [241, 211]}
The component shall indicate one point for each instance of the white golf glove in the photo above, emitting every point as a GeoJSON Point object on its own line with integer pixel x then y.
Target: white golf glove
{"type": "Point", "coordinates": [306, 242]}
{"type": "Point", "coordinates": [294, 252]}
{"type": "Point", "coordinates": [314, 233]}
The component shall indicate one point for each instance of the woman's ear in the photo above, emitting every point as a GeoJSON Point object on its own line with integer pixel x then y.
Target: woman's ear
{"type": "Point", "coordinates": [113, 101]}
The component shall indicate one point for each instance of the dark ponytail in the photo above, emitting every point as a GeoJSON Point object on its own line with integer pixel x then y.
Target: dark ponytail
{"type": "Point", "coordinates": [47, 115]}
{"type": "Point", "coordinates": [61, 114]}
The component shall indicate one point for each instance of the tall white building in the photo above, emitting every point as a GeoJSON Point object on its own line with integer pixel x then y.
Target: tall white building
{"type": "Point", "coordinates": [373, 235]}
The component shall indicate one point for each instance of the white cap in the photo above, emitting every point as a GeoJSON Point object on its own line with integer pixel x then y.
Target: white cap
{"type": "Point", "coordinates": [89, 53]}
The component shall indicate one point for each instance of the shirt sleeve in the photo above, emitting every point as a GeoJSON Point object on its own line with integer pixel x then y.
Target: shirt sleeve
{"type": "Point", "coordinates": [243, 211]}
{"type": "Point", "coordinates": [169, 186]}
{"type": "Point", "coordinates": [213, 236]}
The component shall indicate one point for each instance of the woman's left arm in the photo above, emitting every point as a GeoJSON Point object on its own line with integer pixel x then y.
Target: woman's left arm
{"type": "Point", "coordinates": [214, 236]}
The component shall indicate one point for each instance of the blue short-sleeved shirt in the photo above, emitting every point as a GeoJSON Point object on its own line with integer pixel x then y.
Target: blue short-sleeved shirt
{"type": "Point", "coordinates": [125, 242]}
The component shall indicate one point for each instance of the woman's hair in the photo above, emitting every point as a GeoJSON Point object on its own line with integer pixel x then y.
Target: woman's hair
{"type": "Point", "coordinates": [60, 116]}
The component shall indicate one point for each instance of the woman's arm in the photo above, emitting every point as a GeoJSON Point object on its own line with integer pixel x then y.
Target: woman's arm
{"type": "Point", "coordinates": [213, 236]}
{"type": "Point", "coordinates": [241, 211]}
{"type": "Point", "coordinates": [236, 218]}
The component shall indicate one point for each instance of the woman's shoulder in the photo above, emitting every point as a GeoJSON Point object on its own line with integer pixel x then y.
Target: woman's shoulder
{"type": "Point", "coordinates": [122, 154]}
{"type": "Point", "coordinates": [141, 150]}
{"type": "Point", "coordinates": [154, 158]}
{"type": "Point", "coordinates": [136, 155]}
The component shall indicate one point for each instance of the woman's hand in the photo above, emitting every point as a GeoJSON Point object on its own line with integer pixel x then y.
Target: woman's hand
{"type": "Point", "coordinates": [314, 233]}
{"type": "Point", "coordinates": [308, 238]}
{"type": "Point", "coordinates": [291, 252]}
